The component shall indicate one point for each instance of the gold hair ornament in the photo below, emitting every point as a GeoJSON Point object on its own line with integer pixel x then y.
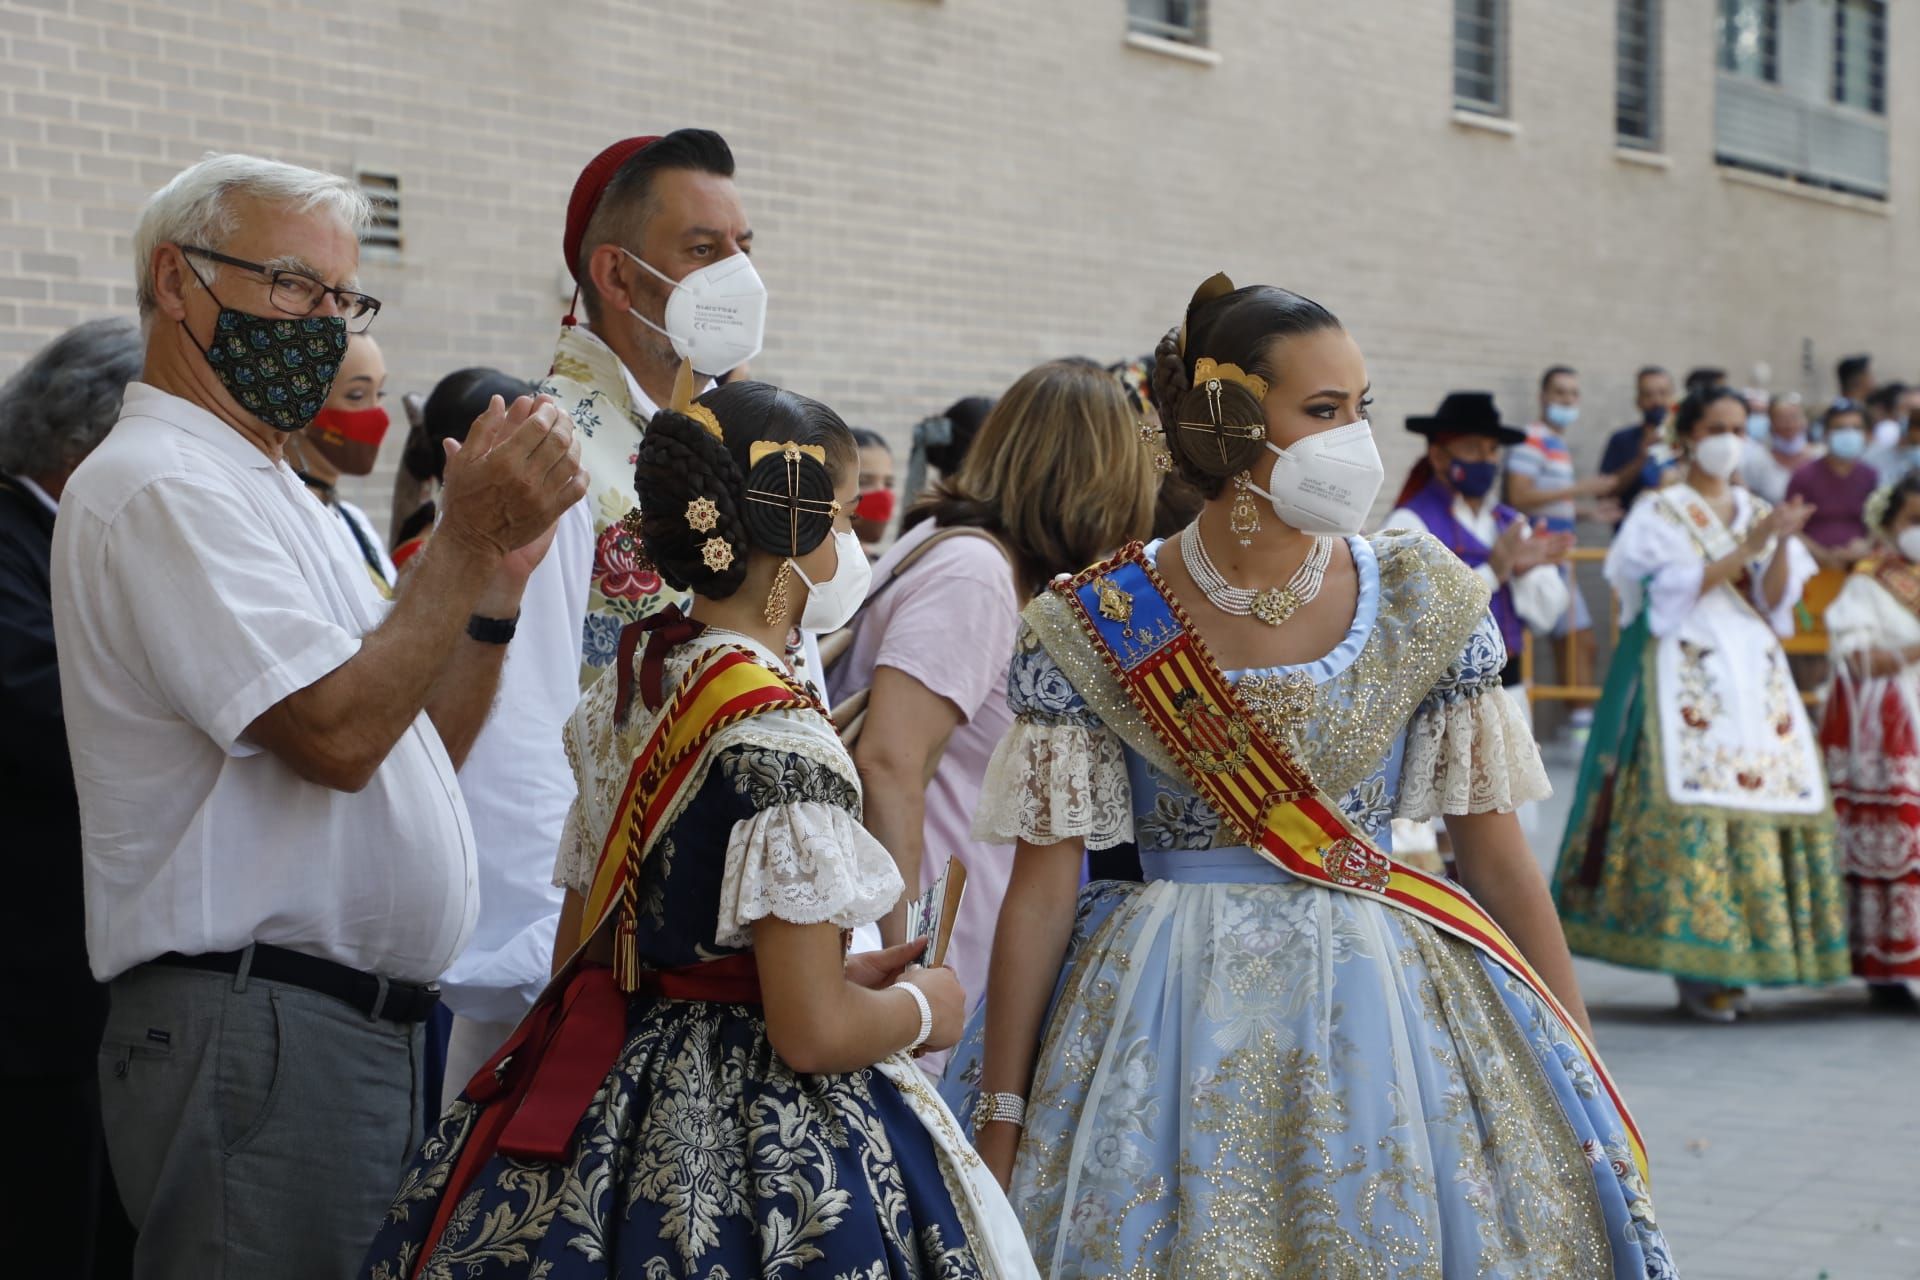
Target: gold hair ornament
{"type": "Point", "coordinates": [1206, 372]}
{"type": "Point", "coordinates": [716, 554]}
{"type": "Point", "coordinates": [1155, 441]}
{"type": "Point", "coordinates": [702, 515]}
{"type": "Point", "coordinates": [791, 452]}
{"type": "Point", "coordinates": [682, 402]}
{"type": "Point", "coordinates": [760, 450]}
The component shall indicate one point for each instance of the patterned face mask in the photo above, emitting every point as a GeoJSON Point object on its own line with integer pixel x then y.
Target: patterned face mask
{"type": "Point", "coordinates": [279, 368]}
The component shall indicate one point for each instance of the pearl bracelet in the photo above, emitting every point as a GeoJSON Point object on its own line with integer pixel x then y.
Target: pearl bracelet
{"type": "Point", "coordinates": [1010, 1107]}
{"type": "Point", "coordinates": [926, 1013]}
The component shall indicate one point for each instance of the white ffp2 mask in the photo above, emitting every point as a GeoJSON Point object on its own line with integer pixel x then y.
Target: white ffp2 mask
{"type": "Point", "coordinates": [1718, 456]}
{"type": "Point", "coordinates": [832, 604]}
{"type": "Point", "coordinates": [1326, 483]}
{"type": "Point", "coordinates": [1909, 543]}
{"type": "Point", "coordinates": [716, 316]}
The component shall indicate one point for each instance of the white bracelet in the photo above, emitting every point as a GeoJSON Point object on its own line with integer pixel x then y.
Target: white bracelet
{"type": "Point", "coordinates": [926, 1013]}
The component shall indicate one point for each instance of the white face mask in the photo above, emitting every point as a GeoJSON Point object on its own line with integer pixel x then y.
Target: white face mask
{"type": "Point", "coordinates": [716, 316]}
{"type": "Point", "coordinates": [1718, 455]}
{"type": "Point", "coordinates": [832, 604]}
{"type": "Point", "coordinates": [1326, 483]}
{"type": "Point", "coordinates": [1909, 543]}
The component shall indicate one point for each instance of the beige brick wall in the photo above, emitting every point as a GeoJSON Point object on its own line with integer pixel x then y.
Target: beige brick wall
{"type": "Point", "coordinates": [948, 190]}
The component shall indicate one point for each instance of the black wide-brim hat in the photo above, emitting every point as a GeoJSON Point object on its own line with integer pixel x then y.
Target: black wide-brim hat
{"type": "Point", "coordinates": [1466, 413]}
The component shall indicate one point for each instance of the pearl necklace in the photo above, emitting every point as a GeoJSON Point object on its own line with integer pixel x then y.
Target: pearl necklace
{"type": "Point", "coordinates": [1271, 605]}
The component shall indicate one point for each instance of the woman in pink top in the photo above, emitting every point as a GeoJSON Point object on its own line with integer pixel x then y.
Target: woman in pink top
{"type": "Point", "coordinates": [1056, 478]}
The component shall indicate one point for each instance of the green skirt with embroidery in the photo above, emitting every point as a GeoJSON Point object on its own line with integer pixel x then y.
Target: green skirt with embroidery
{"type": "Point", "coordinates": [1719, 895]}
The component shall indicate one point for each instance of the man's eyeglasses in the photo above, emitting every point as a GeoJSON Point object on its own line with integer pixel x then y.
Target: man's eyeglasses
{"type": "Point", "coordinates": [299, 294]}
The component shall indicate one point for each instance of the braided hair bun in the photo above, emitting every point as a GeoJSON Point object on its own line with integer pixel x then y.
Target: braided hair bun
{"type": "Point", "coordinates": [678, 465]}
{"type": "Point", "coordinates": [790, 506]}
{"type": "Point", "coordinates": [779, 505]}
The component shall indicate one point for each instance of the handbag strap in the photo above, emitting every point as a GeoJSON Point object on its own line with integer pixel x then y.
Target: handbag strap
{"type": "Point", "coordinates": [912, 558]}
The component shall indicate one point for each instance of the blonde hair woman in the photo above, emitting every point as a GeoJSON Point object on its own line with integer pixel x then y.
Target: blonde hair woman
{"type": "Point", "coordinates": [1055, 479]}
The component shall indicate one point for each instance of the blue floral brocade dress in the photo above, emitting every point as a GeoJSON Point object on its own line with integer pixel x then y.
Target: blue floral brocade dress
{"type": "Point", "coordinates": [1244, 1073]}
{"type": "Point", "coordinates": [703, 1154]}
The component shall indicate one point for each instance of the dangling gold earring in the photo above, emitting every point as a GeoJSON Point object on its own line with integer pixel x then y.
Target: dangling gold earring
{"type": "Point", "coordinates": [1244, 519]}
{"type": "Point", "coordinates": [776, 612]}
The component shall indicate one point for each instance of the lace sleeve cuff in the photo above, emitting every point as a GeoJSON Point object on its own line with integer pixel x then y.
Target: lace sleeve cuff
{"type": "Point", "coordinates": [1470, 754]}
{"type": "Point", "coordinates": [807, 862]}
{"type": "Point", "coordinates": [1051, 781]}
{"type": "Point", "coordinates": [573, 868]}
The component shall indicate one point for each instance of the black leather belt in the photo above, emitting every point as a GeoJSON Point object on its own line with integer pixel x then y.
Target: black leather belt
{"type": "Point", "coordinates": [371, 994]}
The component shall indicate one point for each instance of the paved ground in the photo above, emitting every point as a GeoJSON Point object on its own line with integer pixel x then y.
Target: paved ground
{"type": "Point", "coordinates": [1784, 1147]}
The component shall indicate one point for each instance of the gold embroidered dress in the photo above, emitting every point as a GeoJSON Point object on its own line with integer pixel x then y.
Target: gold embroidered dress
{"type": "Point", "coordinates": [1245, 1073]}
{"type": "Point", "coordinates": [1701, 838]}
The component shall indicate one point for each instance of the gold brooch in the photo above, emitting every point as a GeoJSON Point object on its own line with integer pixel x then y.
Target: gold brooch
{"type": "Point", "coordinates": [702, 515]}
{"type": "Point", "coordinates": [716, 554]}
{"type": "Point", "coordinates": [1274, 605]}
{"type": "Point", "coordinates": [1277, 702]}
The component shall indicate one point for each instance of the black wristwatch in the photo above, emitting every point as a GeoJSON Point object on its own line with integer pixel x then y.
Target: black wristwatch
{"type": "Point", "coordinates": [492, 630]}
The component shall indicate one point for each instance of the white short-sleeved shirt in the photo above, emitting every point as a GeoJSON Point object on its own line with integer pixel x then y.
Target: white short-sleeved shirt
{"type": "Point", "coordinates": [196, 583]}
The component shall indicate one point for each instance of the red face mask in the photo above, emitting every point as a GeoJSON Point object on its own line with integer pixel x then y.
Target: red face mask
{"type": "Point", "coordinates": [875, 507]}
{"type": "Point", "coordinates": [352, 426]}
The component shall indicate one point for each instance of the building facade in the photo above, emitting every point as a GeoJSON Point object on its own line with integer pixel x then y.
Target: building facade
{"type": "Point", "coordinates": [946, 191]}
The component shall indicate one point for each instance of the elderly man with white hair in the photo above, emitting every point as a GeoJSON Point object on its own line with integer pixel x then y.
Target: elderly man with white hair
{"type": "Point", "coordinates": [278, 861]}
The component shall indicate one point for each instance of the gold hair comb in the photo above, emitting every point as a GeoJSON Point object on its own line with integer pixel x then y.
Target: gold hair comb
{"type": "Point", "coordinates": [682, 402]}
{"type": "Point", "coordinates": [1206, 371]}
{"type": "Point", "coordinates": [788, 449]}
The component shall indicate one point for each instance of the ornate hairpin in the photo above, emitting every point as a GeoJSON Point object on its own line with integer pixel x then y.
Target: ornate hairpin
{"type": "Point", "coordinates": [792, 453]}
{"type": "Point", "coordinates": [791, 450]}
{"type": "Point", "coordinates": [716, 554]}
{"type": "Point", "coordinates": [702, 515]}
{"type": "Point", "coordinates": [1155, 441]}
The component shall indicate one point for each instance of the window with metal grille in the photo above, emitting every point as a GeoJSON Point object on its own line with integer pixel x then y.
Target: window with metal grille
{"type": "Point", "coordinates": [1182, 20]}
{"type": "Point", "coordinates": [1750, 38]}
{"type": "Point", "coordinates": [1860, 55]}
{"type": "Point", "coordinates": [382, 191]}
{"type": "Point", "coordinates": [1480, 56]}
{"type": "Point", "coordinates": [1636, 90]}
{"type": "Point", "coordinates": [1801, 92]}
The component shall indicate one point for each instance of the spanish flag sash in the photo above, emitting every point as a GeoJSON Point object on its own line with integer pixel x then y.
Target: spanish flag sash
{"type": "Point", "coordinates": [726, 686]}
{"type": "Point", "coordinates": [1148, 644]}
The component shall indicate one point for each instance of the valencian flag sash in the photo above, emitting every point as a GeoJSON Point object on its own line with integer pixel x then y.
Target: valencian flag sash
{"type": "Point", "coordinates": [1259, 789]}
{"type": "Point", "coordinates": [530, 1095]}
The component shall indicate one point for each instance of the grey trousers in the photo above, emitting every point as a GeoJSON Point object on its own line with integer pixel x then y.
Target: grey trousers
{"type": "Point", "coordinates": [255, 1129]}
